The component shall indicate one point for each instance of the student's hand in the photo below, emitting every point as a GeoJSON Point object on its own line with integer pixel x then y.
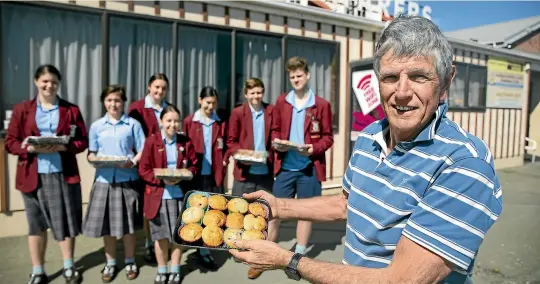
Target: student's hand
{"type": "Point", "coordinates": [308, 151]}
{"type": "Point", "coordinates": [280, 148]}
{"type": "Point", "coordinates": [91, 157]}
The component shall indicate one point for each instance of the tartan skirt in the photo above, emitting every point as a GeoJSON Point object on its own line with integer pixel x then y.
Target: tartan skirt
{"type": "Point", "coordinates": [112, 210]}
{"type": "Point", "coordinates": [162, 226]}
{"type": "Point", "coordinates": [54, 205]}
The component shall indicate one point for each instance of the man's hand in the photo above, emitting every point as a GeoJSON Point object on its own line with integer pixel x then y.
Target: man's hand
{"type": "Point", "coordinates": [280, 148]}
{"type": "Point", "coordinates": [262, 255]}
{"type": "Point", "coordinates": [171, 181]}
{"type": "Point", "coordinates": [308, 151]}
{"type": "Point", "coordinates": [272, 201]}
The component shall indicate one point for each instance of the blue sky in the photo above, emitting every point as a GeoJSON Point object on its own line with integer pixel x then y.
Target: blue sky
{"type": "Point", "coordinates": [454, 15]}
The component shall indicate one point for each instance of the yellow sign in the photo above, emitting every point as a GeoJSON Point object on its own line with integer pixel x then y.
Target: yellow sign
{"type": "Point", "coordinates": [505, 84]}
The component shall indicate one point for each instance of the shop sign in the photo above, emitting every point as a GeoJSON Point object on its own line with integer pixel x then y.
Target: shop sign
{"type": "Point", "coordinates": [505, 84]}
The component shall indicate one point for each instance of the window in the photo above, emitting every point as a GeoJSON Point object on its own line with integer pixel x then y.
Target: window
{"type": "Point", "coordinates": [32, 36]}
{"type": "Point", "coordinates": [323, 68]}
{"type": "Point", "coordinates": [261, 57]}
{"type": "Point", "coordinates": [204, 59]}
{"type": "Point", "coordinates": [137, 50]}
{"type": "Point", "coordinates": [468, 89]}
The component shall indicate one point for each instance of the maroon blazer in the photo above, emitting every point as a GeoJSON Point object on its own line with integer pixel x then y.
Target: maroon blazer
{"type": "Point", "coordinates": [23, 124]}
{"type": "Point", "coordinates": [240, 136]}
{"type": "Point", "coordinates": [145, 116]}
{"type": "Point", "coordinates": [317, 131]}
{"type": "Point", "coordinates": [154, 156]}
{"type": "Point", "coordinates": [194, 130]}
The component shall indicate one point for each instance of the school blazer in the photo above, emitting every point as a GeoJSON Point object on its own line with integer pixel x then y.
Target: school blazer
{"type": "Point", "coordinates": [317, 131]}
{"type": "Point", "coordinates": [240, 136]}
{"type": "Point", "coordinates": [154, 156]}
{"type": "Point", "coordinates": [145, 116]}
{"type": "Point", "coordinates": [194, 130]}
{"type": "Point", "coordinates": [23, 124]}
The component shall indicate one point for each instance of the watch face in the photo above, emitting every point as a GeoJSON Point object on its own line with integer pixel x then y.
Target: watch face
{"type": "Point", "coordinates": [292, 274]}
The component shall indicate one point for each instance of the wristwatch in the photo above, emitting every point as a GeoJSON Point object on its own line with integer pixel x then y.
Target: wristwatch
{"type": "Point", "coordinates": [292, 268]}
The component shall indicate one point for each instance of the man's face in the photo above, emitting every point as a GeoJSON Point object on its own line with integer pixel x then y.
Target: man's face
{"type": "Point", "coordinates": [409, 90]}
{"type": "Point", "coordinates": [299, 79]}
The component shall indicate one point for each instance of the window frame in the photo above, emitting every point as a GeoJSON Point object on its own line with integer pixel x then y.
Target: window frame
{"type": "Point", "coordinates": [483, 100]}
{"type": "Point", "coordinates": [176, 24]}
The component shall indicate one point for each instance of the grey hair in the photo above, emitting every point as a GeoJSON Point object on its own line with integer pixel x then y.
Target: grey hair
{"type": "Point", "coordinates": [411, 36]}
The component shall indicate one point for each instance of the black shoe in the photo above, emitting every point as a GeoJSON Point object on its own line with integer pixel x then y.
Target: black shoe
{"type": "Point", "coordinates": [72, 276]}
{"type": "Point", "coordinates": [150, 255]}
{"type": "Point", "coordinates": [208, 261]}
{"type": "Point", "coordinates": [38, 279]}
{"type": "Point", "coordinates": [175, 278]}
{"type": "Point", "coordinates": [108, 273]}
{"type": "Point", "coordinates": [161, 278]}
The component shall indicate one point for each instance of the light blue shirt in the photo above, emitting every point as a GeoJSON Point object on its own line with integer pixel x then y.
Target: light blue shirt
{"type": "Point", "coordinates": [47, 122]}
{"type": "Point", "coordinates": [157, 112]}
{"type": "Point", "coordinates": [293, 160]}
{"type": "Point", "coordinates": [207, 138]}
{"type": "Point", "coordinates": [258, 140]}
{"type": "Point", "coordinates": [440, 191]}
{"type": "Point", "coordinates": [121, 138]}
{"type": "Point", "coordinates": [171, 191]}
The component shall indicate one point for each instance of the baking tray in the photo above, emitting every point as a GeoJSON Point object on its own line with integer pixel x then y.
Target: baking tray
{"type": "Point", "coordinates": [109, 161]}
{"type": "Point", "coordinates": [46, 140]}
{"type": "Point", "coordinates": [292, 145]}
{"type": "Point", "coordinates": [168, 174]}
{"type": "Point", "coordinates": [250, 156]}
{"type": "Point", "coordinates": [200, 244]}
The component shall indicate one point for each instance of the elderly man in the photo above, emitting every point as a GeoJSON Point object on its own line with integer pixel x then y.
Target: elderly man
{"type": "Point", "coordinates": [419, 194]}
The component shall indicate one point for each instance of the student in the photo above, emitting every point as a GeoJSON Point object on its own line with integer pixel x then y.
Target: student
{"type": "Point", "coordinates": [249, 128]}
{"type": "Point", "coordinates": [163, 200]}
{"type": "Point", "coordinates": [301, 117]}
{"type": "Point", "coordinates": [147, 111]}
{"type": "Point", "coordinates": [206, 130]}
{"type": "Point", "coordinates": [112, 209]}
{"type": "Point", "coordinates": [48, 176]}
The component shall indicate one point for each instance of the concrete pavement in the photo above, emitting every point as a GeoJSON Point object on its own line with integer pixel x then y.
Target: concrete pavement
{"type": "Point", "coordinates": [509, 254]}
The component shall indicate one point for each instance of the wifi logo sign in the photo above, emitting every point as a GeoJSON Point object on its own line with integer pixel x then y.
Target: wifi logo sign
{"type": "Point", "coordinates": [364, 83]}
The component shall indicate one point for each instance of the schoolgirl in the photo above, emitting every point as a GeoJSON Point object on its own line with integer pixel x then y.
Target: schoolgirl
{"type": "Point", "coordinates": [147, 111]}
{"type": "Point", "coordinates": [48, 176]}
{"type": "Point", "coordinates": [112, 209]}
{"type": "Point", "coordinates": [163, 200]}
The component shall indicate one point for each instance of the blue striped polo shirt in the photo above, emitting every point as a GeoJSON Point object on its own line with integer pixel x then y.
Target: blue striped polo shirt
{"type": "Point", "coordinates": [440, 191]}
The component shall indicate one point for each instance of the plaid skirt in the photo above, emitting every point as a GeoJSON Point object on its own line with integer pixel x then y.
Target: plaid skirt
{"type": "Point", "coordinates": [54, 205]}
{"type": "Point", "coordinates": [112, 210]}
{"type": "Point", "coordinates": [162, 226]}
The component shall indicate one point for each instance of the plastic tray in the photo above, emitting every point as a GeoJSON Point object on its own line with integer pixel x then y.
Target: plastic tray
{"type": "Point", "coordinates": [168, 174]}
{"type": "Point", "coordinates": [109, 161]}
{"type": "Point", "coordinates": [292, 145]}
{"type": "Point", "coordinates": [200, 244]}
{"type": "Point", "coordinates": [251, 156]}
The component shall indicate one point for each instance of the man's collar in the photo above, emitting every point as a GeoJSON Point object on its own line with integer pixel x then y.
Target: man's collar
{"type": "Point", "coordinates": [427, 134]}
{"type": "Point", "coordinates": [310, 100]}
{"type": "Point", "coordinates": [148, 102]}
{"type": "Point", "coordinates": [197, 117]}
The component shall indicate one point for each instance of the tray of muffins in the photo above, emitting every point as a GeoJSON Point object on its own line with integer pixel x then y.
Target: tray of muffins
{"type": "Point", "coordinates": [215, 221]}
{"type": "Point", "coordinates": [250, 156]}
{"type": "Point", "coordinates": [173, 174]}
{"type": "Point", "coordinates": [289, 144]}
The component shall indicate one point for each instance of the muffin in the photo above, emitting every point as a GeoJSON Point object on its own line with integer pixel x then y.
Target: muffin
{"type": "Point", "coordinates": [235, 221]}
{"type": "Point", "coordinates": [238, 205]}
{"type": "Point", "coordinates": [254, 223]}
{"type": "Point", "coordinates": [192, 215]}
{"type": "Point", "coordinates": [257, 209]}
{"type": "Point", "coordinates": [251, 235]}
{"type": "Point", "coordinates": [191, 232]}
{"type": "Point", "coordinates": [217, 202]}
{"type": "Point", "coordinates": [214, 218]}
{"type": "Point", "coordinates": [199, 200]}
{"type": "Point", "coordinates": [232, 235]}
{"type": "Point", "coordinates": [212, 236]}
